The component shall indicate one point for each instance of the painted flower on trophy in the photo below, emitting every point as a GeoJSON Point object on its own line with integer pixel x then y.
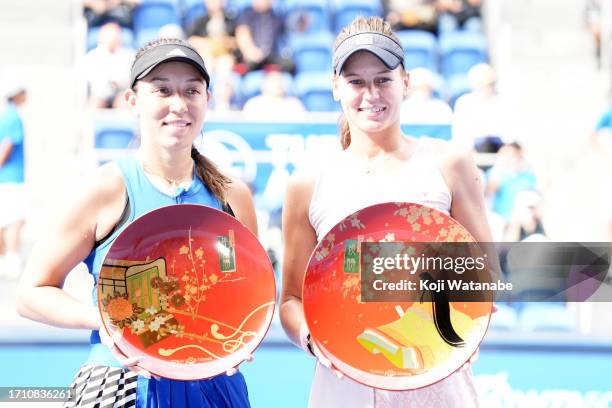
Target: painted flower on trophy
{"type": "Point", "coordinates": [137, 326]}
{"type": "Point", "coordinates": [120, 310]}
{"type": "Point", "coordinates": [151, 310]}
{"type": "Point", "coordinates": [351, 286]}
{"type": "Point", "coordinates": [169, 286]}
{"type": "Point", "coordinates": [177, 330]}
{"type": "Point", "coordinates": [156, 282]}
{"type": "Point", "coordinates": [156, 323]}
{"type": "Point", "coordinates": [177, 300]}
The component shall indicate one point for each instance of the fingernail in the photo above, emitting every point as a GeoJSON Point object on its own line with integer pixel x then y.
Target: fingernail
{"type": "Point", "coordinates": [132, 361]}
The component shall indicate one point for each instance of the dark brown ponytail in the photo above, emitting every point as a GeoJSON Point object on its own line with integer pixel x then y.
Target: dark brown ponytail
{"type": "Point", "coordinates": [209, 173]}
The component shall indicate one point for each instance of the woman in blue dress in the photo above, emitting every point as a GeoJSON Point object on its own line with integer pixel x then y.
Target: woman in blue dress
{"type": "Point", "coordinates": [169, 94]}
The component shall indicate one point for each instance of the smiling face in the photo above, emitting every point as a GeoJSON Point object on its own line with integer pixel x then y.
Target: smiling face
{"type": "Point", "coordinates": [370, 93]}
{"type": "Point", "coordinates": [171, 102]}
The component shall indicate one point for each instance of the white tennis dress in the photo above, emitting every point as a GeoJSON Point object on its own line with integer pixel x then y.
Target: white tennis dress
{"type": "Point", "coordinates": [340, 190]}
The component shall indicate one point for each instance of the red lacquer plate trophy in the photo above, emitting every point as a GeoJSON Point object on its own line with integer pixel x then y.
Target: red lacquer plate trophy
{"type": "Point", "coordinates": [393, 345]}
{"type": "Point", "coordinates": [188, 288]}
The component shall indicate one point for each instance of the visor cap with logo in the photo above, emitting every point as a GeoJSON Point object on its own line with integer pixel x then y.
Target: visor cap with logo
{"type": "Point", "coordinates": [389, 51]}
{"type": "Point", "coordinates": [166, 53]}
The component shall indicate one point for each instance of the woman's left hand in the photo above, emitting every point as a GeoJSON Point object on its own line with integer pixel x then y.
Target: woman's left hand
{"type": "Point", "coordinates": [234, 370]}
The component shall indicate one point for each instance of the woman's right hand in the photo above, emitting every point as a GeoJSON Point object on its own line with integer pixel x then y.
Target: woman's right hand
{"type": "Point", "coordinates": [324, 361]}
{"type": "Point", "coordinates": [311, 347]}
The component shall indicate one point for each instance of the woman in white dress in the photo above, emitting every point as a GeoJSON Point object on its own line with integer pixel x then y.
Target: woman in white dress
{"type": "Point", "coordinates": [378, 164]}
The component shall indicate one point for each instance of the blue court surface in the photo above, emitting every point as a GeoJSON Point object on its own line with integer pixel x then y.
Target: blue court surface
{"type": "Point", "coordinates": [540, 372]}
{"type": "Point", "coordinates": [279, 376]}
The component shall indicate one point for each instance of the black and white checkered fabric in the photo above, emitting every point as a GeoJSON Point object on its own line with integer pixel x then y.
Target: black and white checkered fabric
{"type": "Point", "coordinates": [103, 387]}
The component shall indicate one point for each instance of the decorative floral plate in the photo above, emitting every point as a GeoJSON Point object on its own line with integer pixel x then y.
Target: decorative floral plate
{"type": "Point", "coordinates": [386, 344]}
{"type": "Point", "coordinates": [189, 288]}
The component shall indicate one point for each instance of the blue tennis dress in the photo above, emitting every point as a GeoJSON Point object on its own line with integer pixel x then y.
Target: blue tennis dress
{"type": "Point", "coordinates": [102, 381]}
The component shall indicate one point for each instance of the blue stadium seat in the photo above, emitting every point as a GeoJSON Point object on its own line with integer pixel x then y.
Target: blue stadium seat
{"type": "Point", "coordinates": [145, 35]}
{"type": "Point", "coordinates": [152, 15]}
{"type": "Point", "coordinates": [251, 84]}
{"type": "Point", "coordinates": [236, 81]}
{"type": "Point", "coordinates": [127, 37]}
{"type": "Point", "coordinates": [110, 134]}
{"type": "Point", "coordinates": [192, 12]}
{"type": "Point", "coordinates": [456, 86]}
{"type": "Point", "coordinates": [347, 10]}
{"type": "Point", "coordinates": [461, 50]}
{"type": "Point", "coordinates": [307, 16]}
{"type": "Point", "coordinates": [188, 3]}
{"type": "Point", "coordinates": [174, 3]}
{"type": "Point", "coordinates": [312, 52]}
{"type": "Point", "coordinates": [315, 91]}
{"type": "Point", "coordinates": [236, 6]}
{"type": "Point", "coordinates": [420, 49]}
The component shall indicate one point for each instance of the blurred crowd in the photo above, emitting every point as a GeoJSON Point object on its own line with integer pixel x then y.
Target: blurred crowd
{"type": "Point", "coordinates": [242, 41]}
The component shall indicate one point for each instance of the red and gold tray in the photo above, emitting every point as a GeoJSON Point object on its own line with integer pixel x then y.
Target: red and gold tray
{"type": "Point", "coordinates": [189, 288]}
{"type": "Point", "coordinates": [386, 345]}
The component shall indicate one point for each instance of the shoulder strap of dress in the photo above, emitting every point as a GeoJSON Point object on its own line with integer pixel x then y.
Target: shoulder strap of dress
{"type": "Point", "coordinates": [126, 166]}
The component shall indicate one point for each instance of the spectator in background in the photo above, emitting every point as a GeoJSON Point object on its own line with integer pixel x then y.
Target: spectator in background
{"type": "Point", "coordinates": [525, 220]}
{"type": "Point", "coordinates": [225, 86]}
{"type": "Point", "coordinates": [509, 176]}
{"type": "Point", "coordinates": [421, 106]}
{"type": "Point", "coordinates": [223, 95]}
{"type": "Point", "coordinates": [593, 19]}
{"type": "Point", "coordinates": [456, 14]}
{"type": "Point", "coordinates": [479, 119]}
{"type": "Point", "coordinates": [12, 194]}
{"type": "Point", "coordinates": [411, 14]}
{"type": "Point", "coordinates": [213, 34]}
{"type": "Point", "coordinates": [273, 103]}
{"type": "Point", "coordinates": [100, 12]}
{"type": "Point", "coordinates": [497, 224]}
{"type": "Point", "coordinates": [106, 68]}
{"type": "Point", "coordinates": [258, 34]}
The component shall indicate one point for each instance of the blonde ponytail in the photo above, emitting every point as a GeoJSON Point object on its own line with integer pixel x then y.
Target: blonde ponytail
{"type": "Point", "coordinates": [345, 132]}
